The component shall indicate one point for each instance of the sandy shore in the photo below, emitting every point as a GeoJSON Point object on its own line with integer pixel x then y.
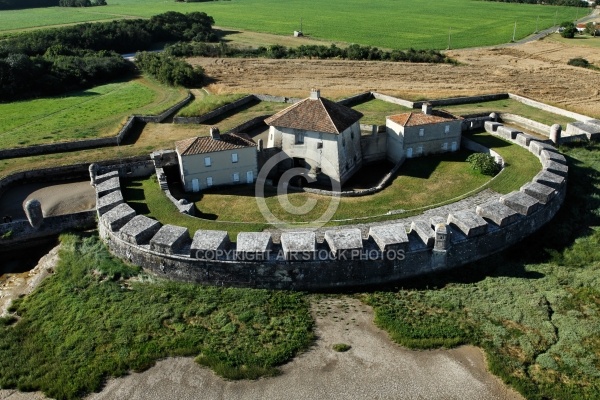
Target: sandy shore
{"type": "Point", "coordinates": [374, 368]}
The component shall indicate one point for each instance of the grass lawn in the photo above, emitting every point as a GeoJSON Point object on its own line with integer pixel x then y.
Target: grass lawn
{"type": "Point", "coordinates": [97, 317]}
{"type": "Point", "coordinates": [422, 183]}
{"type": "Point", "coordinates": [375, 111]}
{"type": "Point", "coordinates": [96, 112]}
{"type": "Point", "coordinates": [410, 23]}
{"type": "Point", "coordinates": [201, 106]}
{"type": "Point", "coordinates": [581, 41]}
{"type": "Point", "coordinates": [534, 308]}
{"type": "Point", "coordinates": [512, 107]}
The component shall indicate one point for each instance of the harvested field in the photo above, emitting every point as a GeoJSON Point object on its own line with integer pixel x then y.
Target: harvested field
{"type": "Point", "coordinates": [526, 70]}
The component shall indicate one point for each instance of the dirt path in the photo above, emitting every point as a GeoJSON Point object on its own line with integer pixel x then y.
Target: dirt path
{"type": "Point", "coordinates": [374, 368]}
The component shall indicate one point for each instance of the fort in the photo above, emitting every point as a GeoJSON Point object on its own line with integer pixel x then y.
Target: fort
{"type": "Point", "coordinates": [329, 257]}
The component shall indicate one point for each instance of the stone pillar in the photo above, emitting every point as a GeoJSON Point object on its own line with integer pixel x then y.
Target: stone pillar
{"type": "Point", "coordinates": [93, 168]}
{"type": "Point", "coordinates": [33, 211]}
{"type": "Point", "coordinates": [555, 131]}
{"type": "Point", "coordinates": [440, 246]}
{"type": "Point", "coordinates": [441, 237]}
{"type": "Point", "coordinates": [494, 117]}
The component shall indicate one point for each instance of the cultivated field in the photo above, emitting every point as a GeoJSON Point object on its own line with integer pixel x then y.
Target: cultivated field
{"type": "Point", "coordinates": [383, 23]}
{"type": "Point", "coordinates": [96, 112]}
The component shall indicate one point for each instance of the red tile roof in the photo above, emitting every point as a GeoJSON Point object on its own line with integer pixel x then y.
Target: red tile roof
{"type": "Point", "coordinates": [317, 115]}
{"type": "Point", "coordinates": [206, 144]}
{"type": "Point", "coordinates": [416, 119]}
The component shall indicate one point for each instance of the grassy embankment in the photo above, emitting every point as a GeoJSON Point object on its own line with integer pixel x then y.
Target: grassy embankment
{"type": "Point", "coordinates": [375, 111]}
{"type": "Point", "coordinates": [97, 317]}
{"type": "Point", "coordinates": [534, 308]}
{"type": "Point", "coordinates": [421, 183]}
{"type": "Point", "coordinates": [400, 25]}
{"type": "Point", "coordinates": [206, 104]}
{"type": "Point", "coordinates": [92, 113]}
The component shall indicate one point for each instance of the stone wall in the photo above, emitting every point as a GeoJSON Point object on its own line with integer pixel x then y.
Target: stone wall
{"type": "Point", "coordinates": [374, 147]}
{"type": "Point", "coordinates": [357, 98]}
{"type": "Point", "coordinates": [390, 252]}
{"type": "Point", "coordinates": [215, 113]}
{"type": "Point", "coordinates": [463, 100]}
{"type": "Point", "coordinates": [394, 100]}
{"type": "Point", "coordinates": [469, 144]}
{"type": "Point", "coordinates": [549, 108]}
{"type": "Point", "coordinates": [526, 123]}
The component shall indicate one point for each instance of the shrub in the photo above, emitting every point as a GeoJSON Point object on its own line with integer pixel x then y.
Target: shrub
{"type": "Point", "coordinates": [341, 347]}
{"type": "Point", "coordinates": [568, 30]}
{"type": "Point", "coordinates": [484, 164]}
{"type": "Point", "coordinates": [579, 62]}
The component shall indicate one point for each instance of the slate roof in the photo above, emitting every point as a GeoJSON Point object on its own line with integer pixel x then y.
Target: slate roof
{"type": "Point", "coordinates": [416, 118]}
{"type": "Point", "coordinates": [206, 144]}
{"type": "Point", "coordinates": [317, 115]}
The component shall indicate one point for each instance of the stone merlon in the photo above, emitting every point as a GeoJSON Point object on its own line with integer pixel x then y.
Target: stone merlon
{"type": "Point", "coordinates": [520, 202]}
{"type": "Point", "coordinates": [169, 239]}
{"type": "Point", "coordinates": [298, 243]}
{"type": "Point", "coordinates": [340, 240]}
{"type": "Point", "coordinates": [390, 237]}
{"type": "Point", "coordinates": [209, 241]}
{"type": "Point", "coordinates": [538, 191]}
{"type": "Point", "coordinates": [556, 168]}
{"type": "Point", "coordinates": [139, 230]}
{"type": "Point", "coordinates": [507, 132]}
{"type": "Point", "coordinates": [253, 244]}
{"type": "Point", "coordinates": [108, 202]}
{"type": "Point", "coordinates": [546, 156]}
{"type": "Point", "coordinates": [550, 179]}
{"type": "Point", "coordinates": [424, 231]}
{"type": "Point", "coordinates": [108, 186]}
{"type": "Point", "coordinates": [117, 217]}
{"type": "Point", "coordinates": [468, 222]}
{"type": "Point", "coordinates": [498, 213]}
{"type": "Point", "coordinates": [106, 176]}
{"type": "Point", "coordinates": [537, 147]}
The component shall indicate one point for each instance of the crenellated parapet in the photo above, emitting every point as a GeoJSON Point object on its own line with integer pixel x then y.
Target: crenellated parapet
{"type": "Point", "coordinates": [347, 256]}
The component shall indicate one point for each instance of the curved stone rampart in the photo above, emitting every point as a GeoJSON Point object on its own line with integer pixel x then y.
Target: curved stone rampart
{"type": "Point", "coordinates": [390, 252]}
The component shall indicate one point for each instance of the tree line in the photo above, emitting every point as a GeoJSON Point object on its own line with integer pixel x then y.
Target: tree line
{"type": "Point", "coordinates": [571, 3]}
{"type": "Point", "coordinates": [24, 4]}
{"type": "Point", "coordinates": [54, 61]}
{"type": "Point", "coordinates": [352, 52]}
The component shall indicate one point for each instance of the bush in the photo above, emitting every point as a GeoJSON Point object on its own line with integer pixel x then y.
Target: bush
{"type": "Point", "coordinates": [484, 164]}
{"type": "Point", "coordinates": [169, 70]}
{"type": "Point", "coordinates": [568, 30]}
{"type": "Point", "coordinates": [341, 347]}
{"type": "Point", "coordinates": [579, 62]}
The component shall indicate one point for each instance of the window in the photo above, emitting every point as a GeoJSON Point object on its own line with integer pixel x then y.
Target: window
{"type": "Point", "coordinates": [319, 145]}
{"type": "Point", "coordinates": [209, 182]}
{"type": "Point", "coordinates": [454, 146]}
{"type": "Point", "coordinates": [447, 129]}
{"type": "Point", "coordinates": [344, 141]}
{"type": "Point", "coordinates": [445, 146]}
{"type": "Point", "coordinates": [234, 157]}
{"type": "Point", "coordinates": [421, 131]}
{"type": "Point", "coordinates": [271, 135]}
{"type": "Point", "coordinates": [352, 134]}
{"type": "Point", "coordinates": [236, 177]}
{"type": "Point", "coordinates": [420, 150]}
{"type": "Point", "coordinates": [207, 162]}
{"type": "Point", "coordinates": [300, 138]}
{"type": "Point", "coordinates": [409, 152]}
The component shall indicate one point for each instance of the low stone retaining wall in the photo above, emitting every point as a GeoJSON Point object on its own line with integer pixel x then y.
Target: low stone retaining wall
{"type": "Point", "coordinates": [394, 100]}
{"type": "Point", "coordinates": [547, 107]}
{"type": "Point", "coordinates": [526, 123]}
{"type": "Point", "coordinates": [215, 113]}
{"type": "Point", "coordinates": [463, 100]}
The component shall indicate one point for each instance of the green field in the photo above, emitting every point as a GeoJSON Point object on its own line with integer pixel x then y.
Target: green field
{"type": "Point", "coordinates": [92, 113]}
{"type": "Point", "coordinates": [383, 23]}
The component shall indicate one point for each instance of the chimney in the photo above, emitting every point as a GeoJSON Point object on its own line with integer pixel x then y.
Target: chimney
{"type": "Point", "coordinates": [315, 94]}
{"type": "Point", "coordinates": [426, 107]}
{"type": "Point", "coordinates": [214, 133]}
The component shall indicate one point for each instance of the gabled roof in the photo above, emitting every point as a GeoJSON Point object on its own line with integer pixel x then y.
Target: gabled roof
{"type": "Point", "coordinates": [416, 118]}
{"type": "Point", "coordinates": [206, 144]}
{"type": "Point", "coordinates": [317, 115]}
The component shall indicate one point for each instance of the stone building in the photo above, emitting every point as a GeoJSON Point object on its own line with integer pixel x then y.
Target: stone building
{"type": "Point", "coordinates": [319, 135]}
{"type": "Point", "coordinates": [417, 134]}
{"type": "Point", "coordinates": [216, 160]}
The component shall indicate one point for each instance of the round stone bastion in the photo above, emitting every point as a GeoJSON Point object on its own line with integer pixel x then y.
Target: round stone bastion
{"type": "Point", "coordinates": [347, 257]}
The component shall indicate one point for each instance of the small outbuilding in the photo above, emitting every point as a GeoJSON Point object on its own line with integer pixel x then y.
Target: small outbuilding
{"type": "Point", "coordinates": [216, 160]}
{"type": "Point", "coordinates": [417, 134]}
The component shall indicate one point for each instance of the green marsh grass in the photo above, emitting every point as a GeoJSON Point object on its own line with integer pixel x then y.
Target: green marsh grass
{"type": "Point", "coordinates": [97, 317]}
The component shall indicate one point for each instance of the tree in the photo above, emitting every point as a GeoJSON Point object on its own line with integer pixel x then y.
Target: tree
{"type": "Point", "coordinates": [568, 30]}
{"type": "Point", "coordinates": [590, 28]}
{"type": "Point", "coordinates": [484, 164]}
